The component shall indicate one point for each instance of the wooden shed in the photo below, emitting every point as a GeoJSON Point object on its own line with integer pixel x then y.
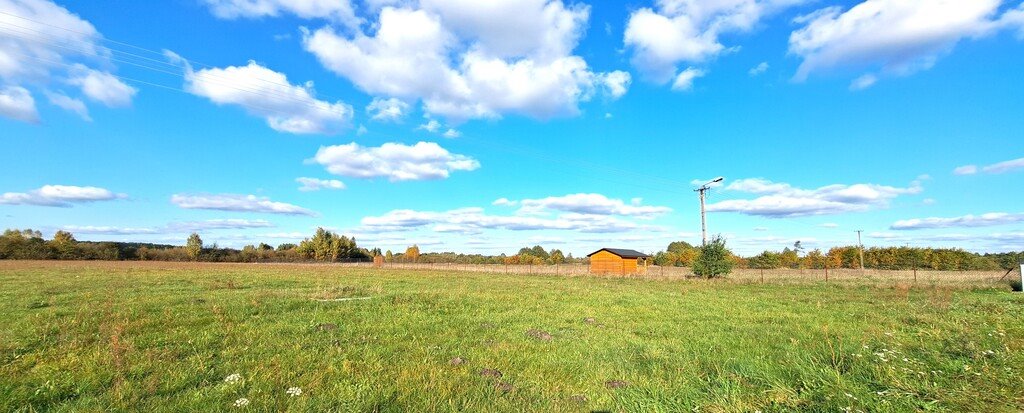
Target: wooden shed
{"type": "Point", "coordinates": [617, 261]}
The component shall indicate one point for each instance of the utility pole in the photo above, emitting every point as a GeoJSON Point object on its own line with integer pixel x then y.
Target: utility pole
{"type": "Point", "coordinates": [861, 244]}
{"type": "Point", "coordinates": [703, 216]}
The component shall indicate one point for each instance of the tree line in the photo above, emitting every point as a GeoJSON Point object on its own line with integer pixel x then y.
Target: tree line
{"type": "Point", "coordinates": [323, 246]}
{"type": "Point", "coordinates": [682, 254]}
{"type": "Point", "coordinates": [327, 246]}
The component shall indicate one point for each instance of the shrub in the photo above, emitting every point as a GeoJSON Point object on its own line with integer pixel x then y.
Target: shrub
{"type": "Point", "coordinates": [713, 260]}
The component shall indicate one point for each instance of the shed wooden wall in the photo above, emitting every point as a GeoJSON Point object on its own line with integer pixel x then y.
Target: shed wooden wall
{"type": "Point", "coordinates": [605, 262]}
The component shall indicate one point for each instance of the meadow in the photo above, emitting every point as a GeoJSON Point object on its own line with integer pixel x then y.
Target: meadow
{"type": "Point", "coordinates": [144, 336]}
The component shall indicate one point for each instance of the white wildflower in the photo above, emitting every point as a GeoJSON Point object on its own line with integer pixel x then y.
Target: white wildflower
{"type": "Point", "coordinates": [294, 391]}
{"type": "Point", "coordinates": [234, 378]}
{"type": "Point", "coordinates": [242, 402]}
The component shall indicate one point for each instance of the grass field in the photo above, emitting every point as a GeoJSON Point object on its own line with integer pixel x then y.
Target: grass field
{"type": "Point", "coordinates": [165, 337]}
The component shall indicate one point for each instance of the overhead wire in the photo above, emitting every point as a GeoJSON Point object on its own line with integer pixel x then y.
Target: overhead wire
{"type": "Point", "coordinates": [206, 76]}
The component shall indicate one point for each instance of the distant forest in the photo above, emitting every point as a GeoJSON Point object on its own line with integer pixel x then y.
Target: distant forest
{"type": "Point", "coordinates": [327, 246]}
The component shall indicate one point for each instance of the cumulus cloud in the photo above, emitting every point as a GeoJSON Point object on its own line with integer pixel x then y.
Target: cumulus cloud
{"type": "Point", "coordinates": [430, 125]}
{"type": "Point", "coordinates": [59, 196]}
{"type": "Point", "coordinates": [590, 204]}
{"type": "Point", "coordinates": [17, 103]}
{"type": "Point", "coordinates": [314, 184]}
{"type": "Point", "coordinates": [617, 83]}
{"type": "Point", "coordinates": [689, 31]}
{"type": "Point", "coordinates": [468, 59]}
{"type": "Point", "coordinates": [69, 104]}
{"type": "Point", "coordinates": [394, 161]}
{"type": "Point", "coordinates": [238, 203]}
{"type": "Point", "coordinates": [983, 220]}
{"type": "Point", "coordinates": [102, 86]}
{"type": "Point", "coordinates": [387, 110]}
{"type": "Point", "coordinates": [34, 52]}
{"type": "Point", "coordinates": [782, 200]}
{"type": "Point", "coordinates": [894, 36]}
{"type": "Point", "coordinates": [339, 11]}
{"type": "Point", "coordinates": [268, 94]}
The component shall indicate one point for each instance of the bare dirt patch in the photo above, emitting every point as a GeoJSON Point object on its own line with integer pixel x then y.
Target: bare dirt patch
{"type": "Point", "coordinates": [616, 384]}
{"type": "Point", "coordinates": [494, 373]}
{"type": "Point", "coordinates": [539, 334]}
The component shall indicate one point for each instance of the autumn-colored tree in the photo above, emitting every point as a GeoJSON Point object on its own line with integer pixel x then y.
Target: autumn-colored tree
{"type": "Point", "coordinates": [64, 245]}
{"type": "Point", "coordinates": [413, 253]}
{"type": "Point", "coordinates": [194, 246]}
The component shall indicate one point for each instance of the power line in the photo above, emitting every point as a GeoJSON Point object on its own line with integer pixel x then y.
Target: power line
{"type": "Point", "coordinates": [207, 76]}
{"type": "Point", "coordinates": [112, 50]}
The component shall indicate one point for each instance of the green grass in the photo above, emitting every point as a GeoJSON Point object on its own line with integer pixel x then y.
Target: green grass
{"type": "Point", "coordinates": [163, 337]}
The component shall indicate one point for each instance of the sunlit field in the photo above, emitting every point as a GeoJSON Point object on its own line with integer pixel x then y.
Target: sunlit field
{"type": "Point", "coordinates": [206, 337]}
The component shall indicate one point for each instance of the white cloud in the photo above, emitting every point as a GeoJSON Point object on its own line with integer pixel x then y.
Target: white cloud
{"type": "Point", "coordinates": [452, 133]}
{"type": "Point", "coordinates": [966, 170]}
{"type": "Point", "coordinates": [617, 83]}
{"type": "Point", "coordinates": [468, 59]}
{"type": "Point", "coordinates": [759, 69]}
{"type": "Point", "coordinates": [430, 126]}
{"type": "Point", "coordinates": [983, 220]}
{"type": "Point", "coordinates": [1003, 167]}
{"type": "Point", "coordinates": [69, 104]}
{"type": "Point", "coordinates": [109, 230]}
{"type": "Point", "coordinates": [17, 103]}
{"type": "Point", "coordinates": [268, 94]}
{"type": "Point", "coordinates": [863, 82]}
{"type": "Point", "coordinates": [684, 82]}
{"type": "Point", "coordinates": [781, 200]}
{"type": "Point", "coordinates": [34, 52]}
{"type": "Point", "coordinates": [504, 202]}
{"type": "Point", "coordinates": [591, 204]}
{"type": "Point", "coordinates": [474, 220]}
{"type": "Point", "coordinates": [387, 110]}
{"type": "Point", "coordinates": [238, 203]}
{"type": "Point", "coordinates": [102, 86]}
{"type": "Point", "coordinates": [59, 196]}
{"type": "Point", "coordinates": [212, 224]}
{"type": "Point", "coordinates": [830, 225]}
{"type": "Point", "coordinates": [394, 161]}
{"type": "Point", "coordinates": [314, 184]}
{"type": "Point", "coordinates": [339, 11]}
{"type": "Point", "coordinates": [996, 168]}
{"type": "Point", "coordinates": [899, 37]}
{"type": "Point", "coordinates": [679, 31]}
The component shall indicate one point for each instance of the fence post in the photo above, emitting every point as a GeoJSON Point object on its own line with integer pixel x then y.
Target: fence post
{"type": "Point", "coordinates": [826, 273]}
{"type": "Point", "coordinates": [762, 276]}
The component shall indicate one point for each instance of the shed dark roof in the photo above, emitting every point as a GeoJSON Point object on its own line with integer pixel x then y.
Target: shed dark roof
{"type": "Point", "coordinates": [624, 253]}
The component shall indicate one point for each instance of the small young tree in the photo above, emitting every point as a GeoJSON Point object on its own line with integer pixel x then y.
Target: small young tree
{"type": "Point", "coordinates": [713, 260]}
{"type": "Point", "coordinates": [194, 246]}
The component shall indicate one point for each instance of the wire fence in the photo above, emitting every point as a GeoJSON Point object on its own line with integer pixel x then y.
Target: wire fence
{"type": "Point", "coordinates": [743, 275]}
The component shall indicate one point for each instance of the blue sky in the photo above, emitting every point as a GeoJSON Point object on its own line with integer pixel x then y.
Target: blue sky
{"type": "Point", "coordinates": [487, 126]}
